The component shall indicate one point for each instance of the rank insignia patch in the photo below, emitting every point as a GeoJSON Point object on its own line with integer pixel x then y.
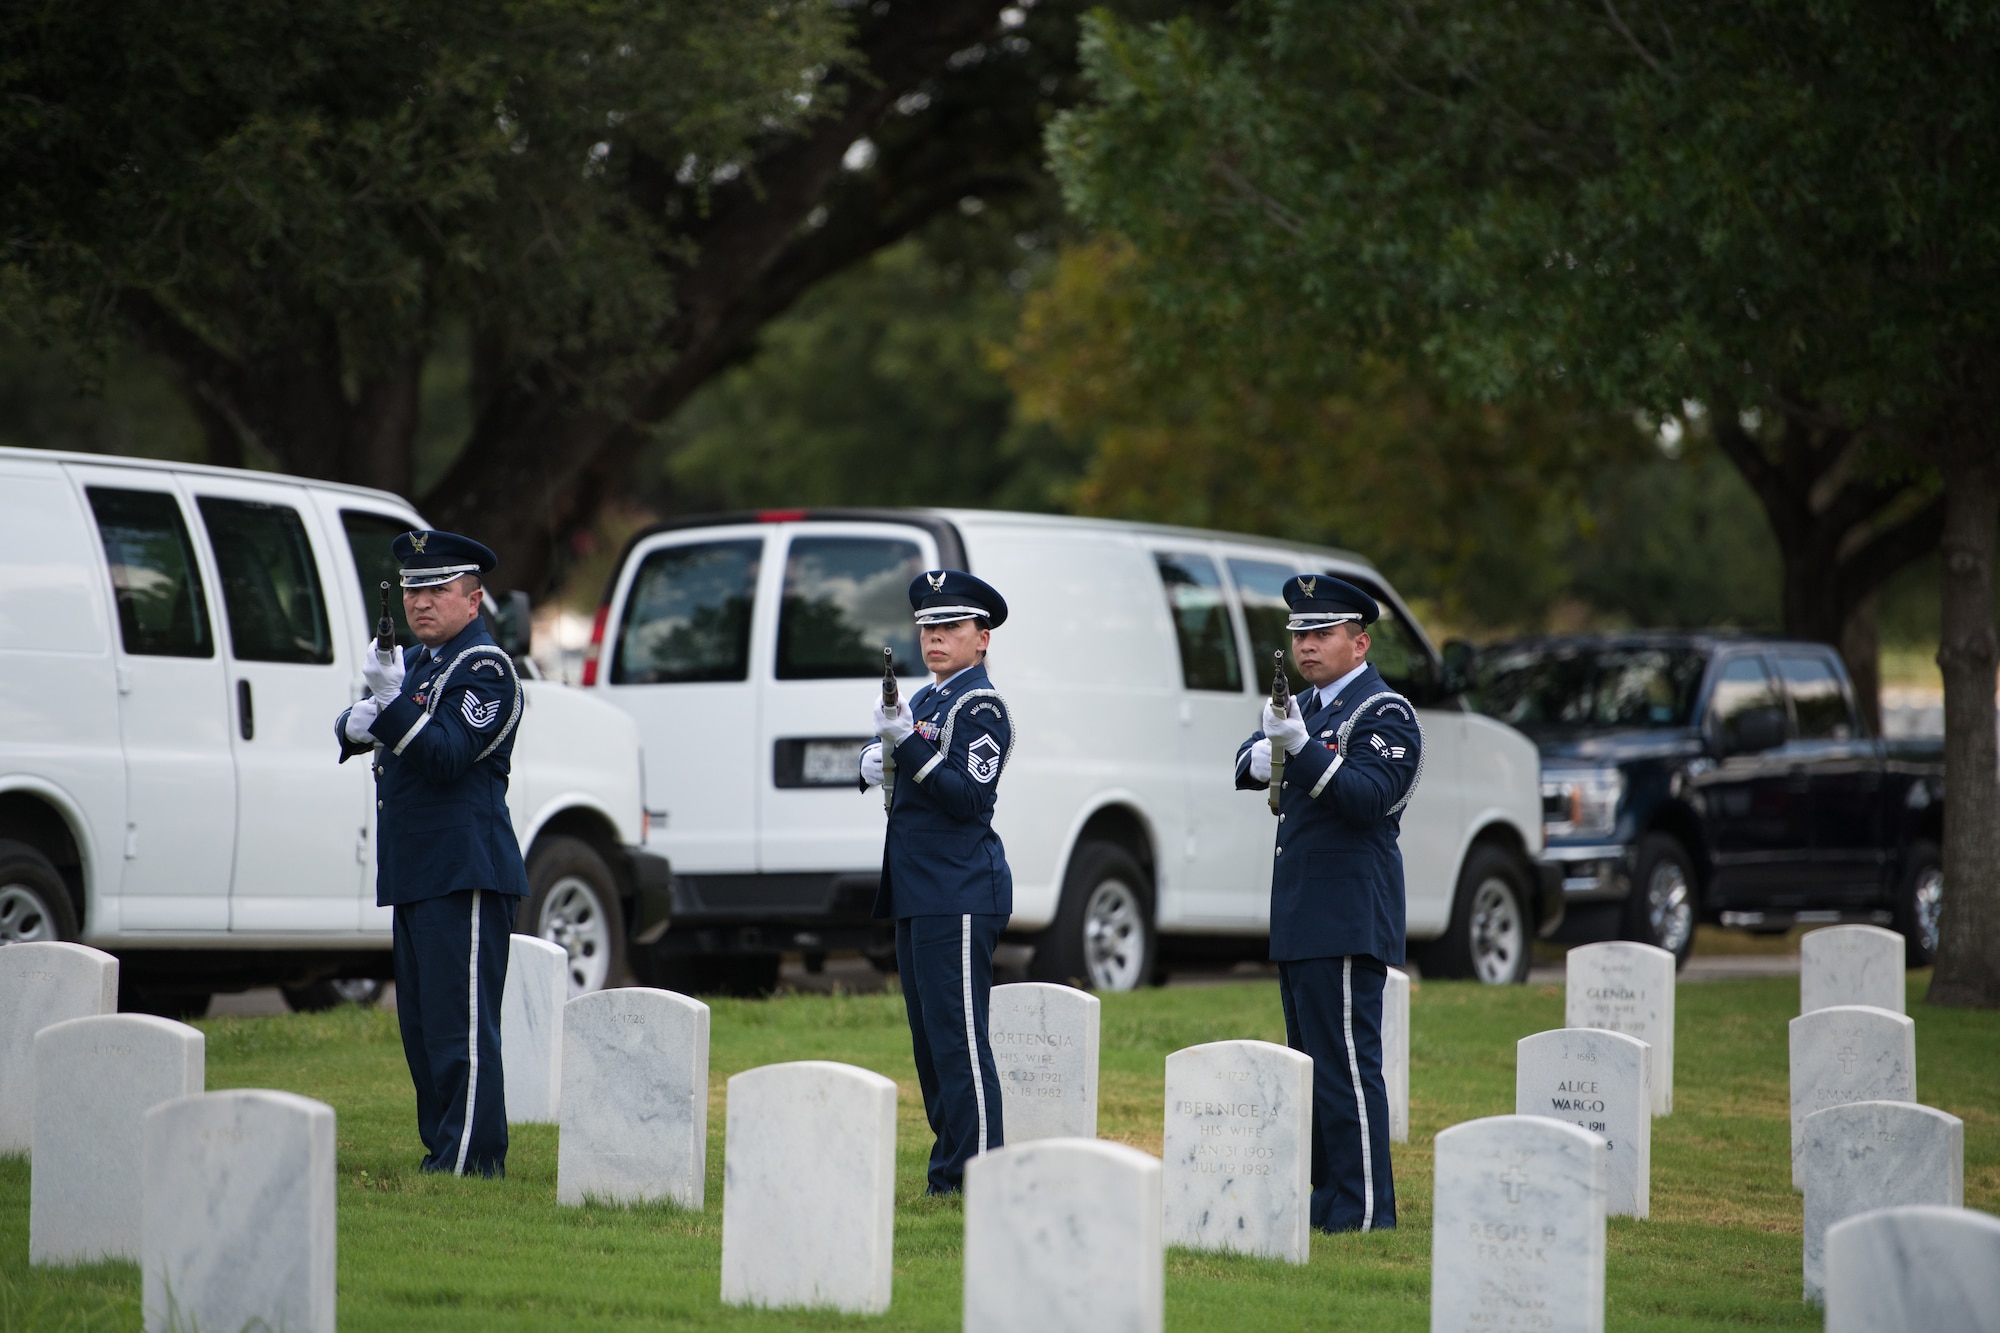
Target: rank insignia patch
{"type": "Point", "coordinates": [481, 716]}
{"type": "Point", "coordinates": [982, 757]}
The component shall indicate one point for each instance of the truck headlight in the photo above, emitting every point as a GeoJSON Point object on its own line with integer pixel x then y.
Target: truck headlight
{"type": "Point", "coordinates": [1581, 803]}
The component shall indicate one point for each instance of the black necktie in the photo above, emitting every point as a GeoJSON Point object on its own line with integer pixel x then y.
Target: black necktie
{"type": "Point", "coordinates": [1310, 704]}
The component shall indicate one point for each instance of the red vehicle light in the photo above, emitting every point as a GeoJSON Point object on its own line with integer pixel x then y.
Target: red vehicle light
{"type": "Point", "coordinates": [592, 653]}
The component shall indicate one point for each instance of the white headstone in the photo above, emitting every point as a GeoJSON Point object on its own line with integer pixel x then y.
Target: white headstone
{"type": "Point", "coordinates": [1045, 1046]}
{"type": "Point", "coordinates": [531, 1028]}
{"type": "Point", "coordinates": [1625, 987]}
{"type": "Point", "coordinates": [1919, 1267]}
{"type": "Point", "coordinates": [1063, 1236]}
{"type": "Point", "coordinates": [237, 1227]}
{"type": "Point", "coordinates": [1237, 1154]}
{"type": "Point", "coordinates": [634, 1106]}
{"type": "Point", "coordinates": [1517, 1229]}
{"type": "Point", "coordinates": [95, 1079]}
{"type": "Point", "coordinates": [1396, 1052]}
{"type": "Point", "coordinates": [1851, 965]}
{"type": "Point", "coordinates": [809, 1188]}
{"type": "Point", "coordinates": [1868, 1155]}
{"type": "Point", "coordinates": [1849, 1053]}
{"type": "Point", "coordinates": [1600, 1081]}
{"type": "Point", "coordinates": [42, 982]}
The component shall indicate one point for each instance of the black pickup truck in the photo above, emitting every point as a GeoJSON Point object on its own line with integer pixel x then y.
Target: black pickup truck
{"type": "Point", "coordinates": [1715, 777]}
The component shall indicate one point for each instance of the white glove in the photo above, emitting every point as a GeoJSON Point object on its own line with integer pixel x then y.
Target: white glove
{"type": "Point", "coordinates": [385, 679]}
{"type": "Point", "coordinates": [361, 717]}
{"type": "Point", "coordinates": [1290, 730]}
{"type": "Point", "coordinates": [1260, 761]}
{"type": "Point", "coordinates": [871, 765]}
{"type": "Point", "coordinates": [894, 728]}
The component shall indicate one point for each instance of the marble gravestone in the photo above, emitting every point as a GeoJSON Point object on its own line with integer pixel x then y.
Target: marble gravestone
{"type": "Point", "coordinates": [42, 982]}
{"type": "Point", "coordinates": [1063, 1236]}
{"type": "Point", "coordinates": [1396, 1052]}
{"type": "Point", "coordinates": [634, 1103]}
{"type": "Point", "coordinates": [1625, 987]}
{"type": "Point", "coordinates": [1045, 1045]}
{"type": "Point", "coordinates": [1914, 1267]}
{"type": "Point", "coordinates": [1517, 1229]}
{"type": "Point", "coordinates": [1851, 965]}
{"type": "Point", "coordinates": [1236, 1158]}
{"type": "Point", "coordinates": [1868, 1155]}
{"type": "Point", "coordinates": [531, 1028]}
{"type": "Point", "coordinates": [1600, 1081]}
{"type": "Point", "coordinates": [809, 1188]}
{"type": "Point", "coordinates": [1848, 1053]}
{"type": "Point", "coordinates": [237, 1225]}
{"type": "Point", "coordinates": [95, 1079]}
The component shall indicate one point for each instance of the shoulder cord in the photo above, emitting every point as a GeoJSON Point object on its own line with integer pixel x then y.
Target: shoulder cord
{"type": "Point", "coordinates": [1423, 750]}
{"type": "Point", "coordinates": [480, 650]}
{"type": "Point", "coordinates": [951, 720]}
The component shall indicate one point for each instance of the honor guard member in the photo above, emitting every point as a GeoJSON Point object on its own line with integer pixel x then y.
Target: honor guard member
{"type": "Point", "coordinates": [945, 879]}
{"type": "Point", "coordinates": [441, 725]}
{"type": "Point", "coordinates": [1353, 754]}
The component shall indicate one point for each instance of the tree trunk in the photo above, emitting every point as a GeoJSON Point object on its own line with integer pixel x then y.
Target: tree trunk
{"type": "Point", "coordinates": [1968, 959]}
{"type": "Point", "coordinates": [1861, 649]}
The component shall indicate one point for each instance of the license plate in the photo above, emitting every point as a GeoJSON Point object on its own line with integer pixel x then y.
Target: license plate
{"type": "Point", "coordinates": [831, 763]}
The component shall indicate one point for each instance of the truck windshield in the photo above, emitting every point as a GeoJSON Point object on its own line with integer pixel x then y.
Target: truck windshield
{"type": "Point", "coordinates": [1547, 688]}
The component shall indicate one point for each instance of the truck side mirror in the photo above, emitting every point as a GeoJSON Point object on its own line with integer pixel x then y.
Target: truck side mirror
{"type": "Point", "coordinates": [1461, 659]}
{"type": "Point", "coordinates": [513, 621]}
{"type": "Point", "coordinates": [1754, 730]}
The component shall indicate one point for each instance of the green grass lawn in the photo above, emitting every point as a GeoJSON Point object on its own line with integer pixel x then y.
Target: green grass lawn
{"type": "Point", "coordinates": [424, 1252]}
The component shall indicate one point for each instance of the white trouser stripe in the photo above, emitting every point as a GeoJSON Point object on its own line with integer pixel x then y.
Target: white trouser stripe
{"type": "Point", "coordinates": [1327, 776]}
{"type": "Point", "coordinates": [971, 1032]}
{"type": "Point", "coordinates": [1360, 1102]}
{"type": "Point", "coordinates": [472, 1041]}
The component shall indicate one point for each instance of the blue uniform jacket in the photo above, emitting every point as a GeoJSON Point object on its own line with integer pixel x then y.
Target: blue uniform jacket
{"type": "Point", "coordinates": [941, 856]}
{"type": "Point", "coordinates": [1336, 872]}
{"type": "Point", "coordinates": [441, 773]}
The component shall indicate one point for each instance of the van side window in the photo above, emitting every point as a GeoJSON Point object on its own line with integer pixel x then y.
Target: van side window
{"type": "Point", "coordinates": [846, 599]}
{"type": "Point", "coordinates": [270, 582]}
{"type": "Point", "coordinates": [368, 536]}
{"type": "Point", "coordinates": [687, 617]}
{"type": "Point", "coordinates": [1818, 702]}
{"type": "Point", "coordinates": [162, 611]}
{"type": "Point", "coordinates": [1393, 646]}
{"type": "Point", "coordinates": [1201, 622]}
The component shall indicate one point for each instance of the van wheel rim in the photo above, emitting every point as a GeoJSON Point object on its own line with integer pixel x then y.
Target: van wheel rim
{"type": "Point", "coordinates": [1114, 936]}
{"type": "Point", "coordinates": [1669, 907]}
{"type": "Point", "coordinates": [573, 917]}
{"type": "Point", "coordinates": [1928, 900]}
{"type": "Point", "coordinates": [1499, 935]}
{"type": "Point", "coordinates": [24, 918]}
{"type": "Point", "coordinates": [357, 990]}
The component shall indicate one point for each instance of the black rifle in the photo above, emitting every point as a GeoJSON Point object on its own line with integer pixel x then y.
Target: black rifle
{"type": "Point", "coordinates": [1281, 703]}
{"type": "Point", "coordinates": [385, 628]}
{"type": "Point", "coordinates": [890, 699]}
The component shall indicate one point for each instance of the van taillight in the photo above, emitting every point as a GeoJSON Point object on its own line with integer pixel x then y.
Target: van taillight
{"type": "Point", "coordinates": [596, 648]}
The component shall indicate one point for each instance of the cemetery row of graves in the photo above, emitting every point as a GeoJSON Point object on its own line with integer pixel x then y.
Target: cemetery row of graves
{"type": "Point", "coordinates": [229, 1201]}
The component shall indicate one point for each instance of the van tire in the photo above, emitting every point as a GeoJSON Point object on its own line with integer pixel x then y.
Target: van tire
{"type": "Point", "coordinates": [316, 997]}
{"type": "Point", "coordinates": [1491, 936]}
{"type": "Point", "coordinates": [34, 902]}
{"type": "Point", "coordinates": [1102, 937]}
{"type": "Point", "coordinates": [573, 904]}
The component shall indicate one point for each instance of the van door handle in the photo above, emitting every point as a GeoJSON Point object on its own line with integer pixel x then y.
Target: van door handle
{"type": "Point", "coordinates": [246, 716]}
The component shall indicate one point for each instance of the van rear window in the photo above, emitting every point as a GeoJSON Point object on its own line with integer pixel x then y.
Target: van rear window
{"type": "Point", "coordinates": [846, 599]}
{"type": "Point", "coordinates": [687, 617]}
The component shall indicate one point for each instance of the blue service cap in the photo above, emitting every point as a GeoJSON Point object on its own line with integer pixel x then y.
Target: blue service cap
{"type": "Point", "coordinates": [431, 558]}
{"type": "Point", "coordinates": [941, 596]}
{"type": "Point", "coordinates": [1320, 600]}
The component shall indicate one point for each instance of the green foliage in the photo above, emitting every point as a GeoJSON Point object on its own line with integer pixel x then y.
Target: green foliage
{"type": "Point", "coordinates": [433, 1252]}
{"type": "Point", "coordinates": [876, 390]}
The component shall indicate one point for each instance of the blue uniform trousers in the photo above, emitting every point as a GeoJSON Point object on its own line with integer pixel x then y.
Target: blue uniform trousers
{"type": "Point", "coordinates": [1333, 1012]}
{"type": "Point", "coordinates": [946, 963]}
{"type": "Point", "coordinates": [451, 966]}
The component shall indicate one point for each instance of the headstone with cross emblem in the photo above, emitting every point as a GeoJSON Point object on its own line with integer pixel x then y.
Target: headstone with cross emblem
{"type": "Point", "coordinates": [1875, 1155]}
{"type": "Point", "coordinates": [1600, 1081]}
{"type": "Point", "coordinates": [1517, 1228]}
{"type": "Point", "coordinates": [1625, 987]}
{"type": "Point", "coordinates": [1848, 1053]}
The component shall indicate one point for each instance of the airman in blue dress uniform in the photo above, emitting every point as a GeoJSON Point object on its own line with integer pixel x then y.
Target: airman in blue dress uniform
{"type": "Point", "coordinates": [945, 879]}
{"type": "Point", "coordinates": [441, 724]}
{"type": "Point", "coordinates": [1353, 755]}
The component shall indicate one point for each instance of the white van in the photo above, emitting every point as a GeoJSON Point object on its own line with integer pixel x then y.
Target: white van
{"type": "Point", "coordinates": [175, 644]}
{"type": "Point", "coordinates": [748, 647]}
